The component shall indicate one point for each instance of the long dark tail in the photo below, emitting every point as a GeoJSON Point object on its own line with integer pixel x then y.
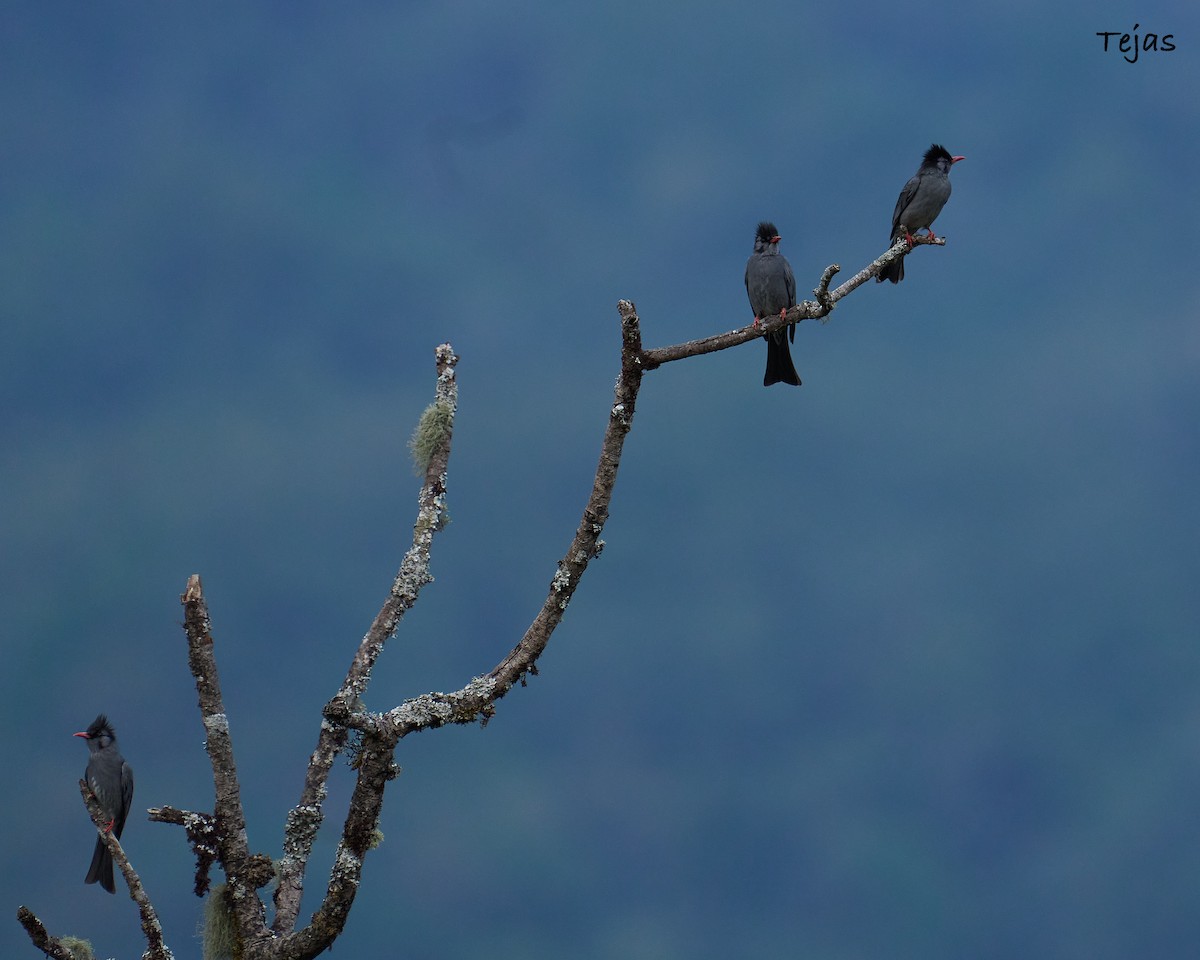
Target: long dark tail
{"type": "Point", "coordinates": [101, 869]}
{"type": "Point", "coordinates": [780, 368]}
{"type": "Point", "coordinates": [894, 271]}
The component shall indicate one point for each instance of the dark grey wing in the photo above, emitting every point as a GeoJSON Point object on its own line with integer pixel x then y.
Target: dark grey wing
{"type": "Point", "coordinates": [126, 798]}
{"type": "Point", "coordinates": [757, 286]}
{"type": "Point", "coordinates": [902, 202]}
{"type": "Point", "coordinates": [101, 784]}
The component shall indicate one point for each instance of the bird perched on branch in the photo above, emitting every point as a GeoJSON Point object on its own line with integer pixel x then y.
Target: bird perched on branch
{"type": "Point", "coordinates": [771, 287]}
{"type": "Point", "coordinates": [110, 778]}
{"type": "Point", "coordinates": [920, 202]}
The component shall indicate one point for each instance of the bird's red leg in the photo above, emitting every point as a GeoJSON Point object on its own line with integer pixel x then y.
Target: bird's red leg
{"type": "Point", "coordinates": [756, 323]}
{"type": "Point", "coordinates": [932, 235]}
{"type": "Point", "coordinates": [909, 238]}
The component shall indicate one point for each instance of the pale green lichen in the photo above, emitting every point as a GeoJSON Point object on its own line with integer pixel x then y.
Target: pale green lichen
{"type": "Point", "coordinates": [79, 949]}
{"type": "Point", "coordinates": [432, 430]}
{"type": "Point", "coordinates": [219, 935]}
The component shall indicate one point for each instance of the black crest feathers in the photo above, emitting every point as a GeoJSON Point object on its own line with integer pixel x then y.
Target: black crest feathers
{"type": "Point", "coordinates": [98, 726]}
{"type": "Point", "coordinates": [935, 153]}
{"type": "Point", "coordinates": [766, 232]}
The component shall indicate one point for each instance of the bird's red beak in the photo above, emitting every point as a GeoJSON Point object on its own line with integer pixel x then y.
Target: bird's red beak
{"type": "Point", "coordinates": [82, 734]}
{"type": "Point", "coordinates": [956, 159]}
{"type": "Point", "coordinates": [776, 239]}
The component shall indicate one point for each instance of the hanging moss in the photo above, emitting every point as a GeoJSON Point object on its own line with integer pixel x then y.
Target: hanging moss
{"type": "Point", "coordinates": [432, 429]}
{"type": "Point", "coordinates": [79, 949]}
{"type": "Point", "coordinates": [219, 936]}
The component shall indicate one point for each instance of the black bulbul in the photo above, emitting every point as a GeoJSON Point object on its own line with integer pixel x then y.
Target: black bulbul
{"type": "Point", "coordinates": [110, 778]}
{"type": "Point", "coordinates": [920, 202]}
{"type": "Point", "coordinates": [771, 287]}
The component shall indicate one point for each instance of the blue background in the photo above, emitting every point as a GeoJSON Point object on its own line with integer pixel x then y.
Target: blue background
{"type": "Point", "coordinates": [902, 663]}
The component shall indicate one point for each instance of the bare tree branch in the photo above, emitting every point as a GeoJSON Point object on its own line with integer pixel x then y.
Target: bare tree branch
{"type": "Point", "coordinates": [305, 818]}
{"type": "Point", "coordinates": [817, 309]}
{"type": "Point", "coordinates": [375, 769]}
{"type": "Point", "coordinates": [476, 700]}
{"type": "Point", "coordinates": [248, 910]}
{"type": "Point", "coordinates": [381, 733]}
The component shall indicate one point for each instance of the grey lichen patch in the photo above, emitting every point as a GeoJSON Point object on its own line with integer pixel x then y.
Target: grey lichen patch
{"type": "Point", "coordinates": [561, 584]}
{"type": "Point", "coordinates": [427, 710]}
{"type": "Point", "coordinates": [303, 822]}
{"type": "Point", "coordinates": [219, 935]}
{"type": "Point", "coordinates": [439, 709]}
{"type": "Point", "coordinates": [347, 868]}
{"type": "Point", "coordinates": [431, 521]}
{"type": "Point", "coordinates": [561, 581]}
{"type": "Point", "coordinates": [432, 430]}
{"type": "Point", "coordinates": [216, 723]}
{"type": "Point", "coordinates": [480, 688]}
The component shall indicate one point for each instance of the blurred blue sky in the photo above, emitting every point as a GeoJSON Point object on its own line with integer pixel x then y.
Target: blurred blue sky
{"type": "Point", "coordinates": [902, 663]}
